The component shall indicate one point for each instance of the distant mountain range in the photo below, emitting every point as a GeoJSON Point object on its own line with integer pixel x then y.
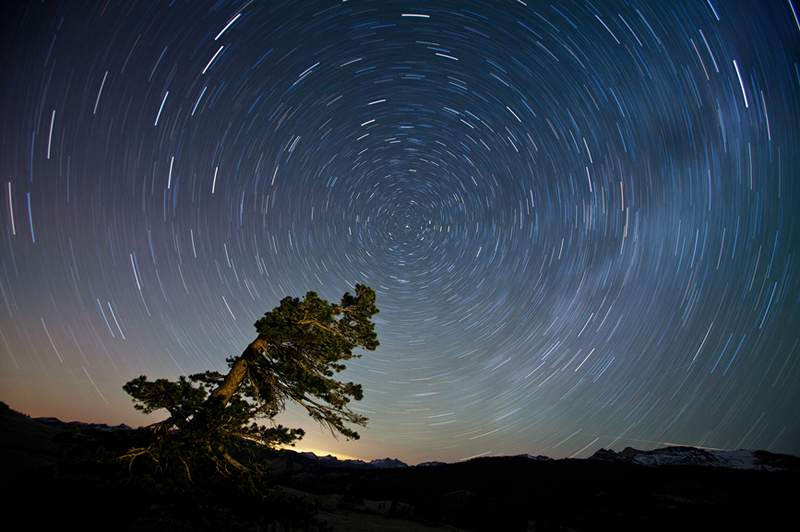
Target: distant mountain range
{"type": "Point", "coordinates": [692, 456]}
{"type": "Point", "coordinates": [36, 430]}
{"type": "Point", "coordinates": [666, 456]}
{"type": "Point", "coordinates": [56, 423]}
{"type": "Point", "coordinates": [382, 463]}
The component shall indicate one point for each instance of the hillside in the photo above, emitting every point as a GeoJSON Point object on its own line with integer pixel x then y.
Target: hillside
{"type": "Point", "coordinates": [51, 468]}
{"type": "Point", "coordinates": [25, 443]}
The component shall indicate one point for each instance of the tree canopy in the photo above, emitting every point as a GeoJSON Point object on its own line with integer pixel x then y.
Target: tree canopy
{"type": "Point", "coordinates": [214, 418]}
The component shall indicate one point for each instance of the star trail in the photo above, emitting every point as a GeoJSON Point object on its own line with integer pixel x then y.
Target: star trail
{"type": "Point", "coordinates": [580, 217]}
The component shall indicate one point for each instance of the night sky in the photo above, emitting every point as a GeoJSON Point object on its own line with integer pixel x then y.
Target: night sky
{"type": "Point", "coordinates": [581, 219]}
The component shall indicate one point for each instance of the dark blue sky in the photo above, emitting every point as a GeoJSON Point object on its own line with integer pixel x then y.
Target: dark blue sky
{"type": "Point", "coordinates": [581, 218]}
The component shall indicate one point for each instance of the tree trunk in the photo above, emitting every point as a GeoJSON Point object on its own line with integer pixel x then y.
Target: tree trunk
{"type": "Point", "coordinates": [233, 379]}
{"type": "Point", "coordinates": [237, 372]}
{"type": "Point", "coordinates": [222, 394]}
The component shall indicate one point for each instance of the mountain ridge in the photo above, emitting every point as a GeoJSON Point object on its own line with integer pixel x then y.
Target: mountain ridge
{"type": "Point", "coordinates": [694, 456]}
{"type": "Point", "coordinates": [675, 455]}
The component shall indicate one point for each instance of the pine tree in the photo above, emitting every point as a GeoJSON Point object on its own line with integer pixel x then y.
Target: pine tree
{"type": "Point", "coordinates": [213, 418]}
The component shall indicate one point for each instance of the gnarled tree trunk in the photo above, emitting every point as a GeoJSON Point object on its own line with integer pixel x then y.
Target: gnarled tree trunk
{"type": "Point", "coordinates": [238, 372]}
{"type": "Point", "coordinates": [222, 394]}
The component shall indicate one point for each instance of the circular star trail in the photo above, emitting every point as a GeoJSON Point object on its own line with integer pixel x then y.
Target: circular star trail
{"type": "Point", "coordinates": [580, 218]}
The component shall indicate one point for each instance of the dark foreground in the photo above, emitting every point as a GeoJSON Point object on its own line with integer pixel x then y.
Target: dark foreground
{"type": "Point", "coordinates": [56, 476]}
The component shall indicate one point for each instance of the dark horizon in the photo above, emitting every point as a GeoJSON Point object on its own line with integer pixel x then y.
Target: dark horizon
{"type": "Point", "coordinates": [580, 219]}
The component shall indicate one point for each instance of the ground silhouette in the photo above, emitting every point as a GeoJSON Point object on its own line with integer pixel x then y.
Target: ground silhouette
{"type": "Point", "coordinates": [62, 475]}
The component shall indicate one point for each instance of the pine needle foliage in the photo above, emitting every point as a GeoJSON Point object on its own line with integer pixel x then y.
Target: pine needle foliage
{"type": "Point", "coordinates": [217, 421]}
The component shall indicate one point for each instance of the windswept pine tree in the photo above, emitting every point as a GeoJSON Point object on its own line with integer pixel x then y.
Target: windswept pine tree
{"type": "Point", "coordinates": [299, 347]}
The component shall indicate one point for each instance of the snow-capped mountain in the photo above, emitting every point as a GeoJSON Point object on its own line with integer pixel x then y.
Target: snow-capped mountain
{"type": "Point", "coordinates": [738, 459]}
{"type": "Point", "coordinates": [538, 457]}
{"type": "Point", "coordinates": [387, 463]}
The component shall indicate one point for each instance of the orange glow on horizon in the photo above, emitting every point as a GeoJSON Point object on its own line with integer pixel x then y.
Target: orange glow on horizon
{"type": "Point", "coordinates": [320, 452]}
